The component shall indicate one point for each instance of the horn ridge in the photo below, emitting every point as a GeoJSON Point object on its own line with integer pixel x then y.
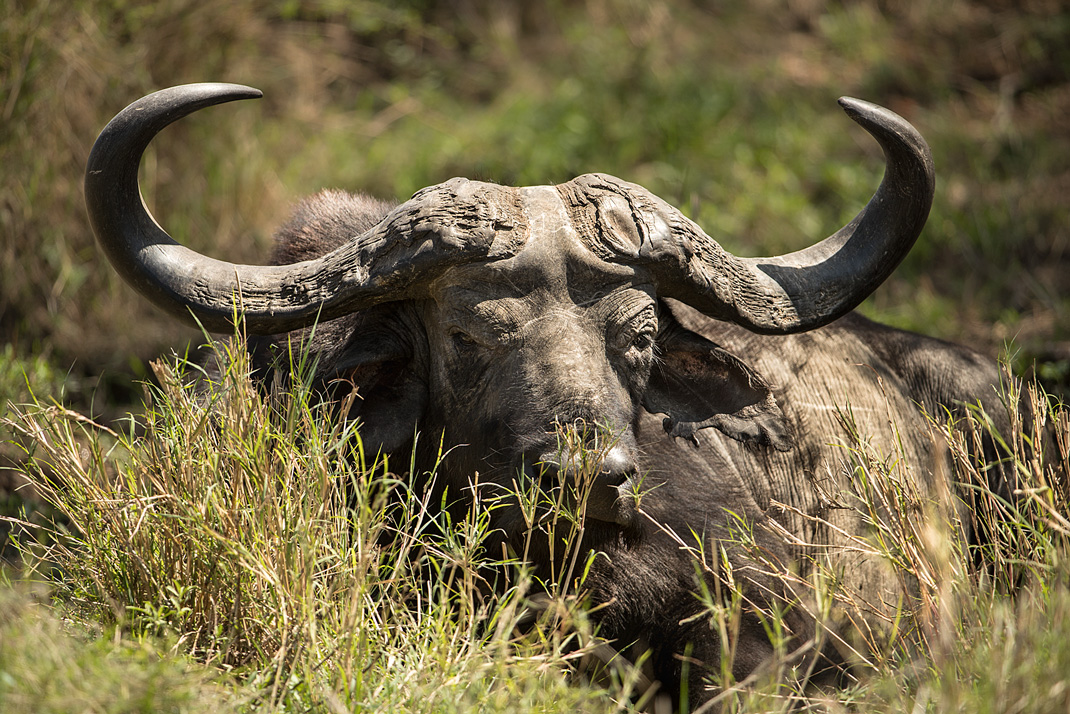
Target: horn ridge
{"type": "Point", "coordinates": [781, 294]}
{"type": "Point", "coordinates": [456, 222]}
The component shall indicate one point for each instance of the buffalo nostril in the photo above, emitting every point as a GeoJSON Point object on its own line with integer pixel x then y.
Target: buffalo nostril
{"type": "Point", "coordinates": [617, 467]}
{"type": "Point", "coordinates": [539, 468]}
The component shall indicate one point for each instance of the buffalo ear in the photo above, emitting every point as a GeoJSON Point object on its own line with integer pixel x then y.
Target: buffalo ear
{"type": "Point", "coordinates": [376, 378]}
{"type": "Point", "coordinates": [697, 384]}
{"type": "Point", "coordinates": [389, 401]}
{"type": "Point", "coordinates": [368, 364]}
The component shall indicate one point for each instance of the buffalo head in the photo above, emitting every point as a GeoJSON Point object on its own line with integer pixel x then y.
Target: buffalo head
{"type": "Point", "coordinates": [498, 315]}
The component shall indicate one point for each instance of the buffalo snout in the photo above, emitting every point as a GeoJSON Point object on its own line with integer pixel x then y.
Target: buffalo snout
{"type": "Point", "coordinates": [599, 483]}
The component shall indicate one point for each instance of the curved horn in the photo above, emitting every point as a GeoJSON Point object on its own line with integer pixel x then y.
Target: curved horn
{"type": "Point", "coordinates": [779, 295]}
{"type": "Point", "coordinates": [449, 224]}
{"type": "Point", "coordinates": [829, 279]}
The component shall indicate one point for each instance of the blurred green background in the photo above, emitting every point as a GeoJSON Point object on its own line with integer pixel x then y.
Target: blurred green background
{"type": "Point", "coordinates": [725, 109]}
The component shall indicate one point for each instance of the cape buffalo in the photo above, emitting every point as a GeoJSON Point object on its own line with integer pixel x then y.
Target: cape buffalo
{"type": "Point", "coordinates": [498, 318]}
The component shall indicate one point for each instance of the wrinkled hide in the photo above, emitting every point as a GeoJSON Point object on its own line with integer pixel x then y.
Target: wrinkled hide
{"type": "Point", "coordinates": [712, 418]}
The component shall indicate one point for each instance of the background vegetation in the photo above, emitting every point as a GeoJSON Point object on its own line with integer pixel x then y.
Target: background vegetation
{"type": "Point", "coordinates": [725, 109]}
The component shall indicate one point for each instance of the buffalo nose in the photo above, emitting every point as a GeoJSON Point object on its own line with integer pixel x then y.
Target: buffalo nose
{"type": "Point", "coordinates": [615, 468]}
{"type": "Point", "coordinates": [602, 486]}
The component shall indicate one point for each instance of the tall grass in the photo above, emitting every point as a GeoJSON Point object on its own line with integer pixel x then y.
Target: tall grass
{"type": "Point", "coordinates": [981, 556]}
{"type": "Point", "coordinates": [251, 534]}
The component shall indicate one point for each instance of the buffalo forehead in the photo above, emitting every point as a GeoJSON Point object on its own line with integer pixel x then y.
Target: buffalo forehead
{"type": "Point", "coordinates": [500, 312]}
{"type": "Point", "coordinates": [554, 261]}
{"type": "Point", "coordinates": [595, 216]}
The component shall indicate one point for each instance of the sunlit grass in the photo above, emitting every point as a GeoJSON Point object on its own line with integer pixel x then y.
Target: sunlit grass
{"type": "Point", "coordinates": [251, 532]}
{"type": "Point", "coordinates": [269, 563]}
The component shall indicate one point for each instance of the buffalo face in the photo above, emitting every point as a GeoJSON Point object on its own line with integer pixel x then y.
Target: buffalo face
{"type": "Point", "coordinates": [503, 361]}
{"type": "Point", "coordinates": [519, 361]}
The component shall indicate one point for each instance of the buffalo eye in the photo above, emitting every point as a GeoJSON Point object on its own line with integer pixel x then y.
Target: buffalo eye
{"type": "Point", "coordinates": [643, 341]}
{"type": "Point", "coordinates": [461, 338]}
{"type": "Point", "coordinates": [635, 343]}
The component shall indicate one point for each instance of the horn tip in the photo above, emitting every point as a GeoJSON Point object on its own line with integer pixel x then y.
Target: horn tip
{"type": "Point", "coordinates": [223, 91]}
{"type": "Point", "coordinates": [869, 114]}
{"type": "Point", "coordinates": [856, 108]}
